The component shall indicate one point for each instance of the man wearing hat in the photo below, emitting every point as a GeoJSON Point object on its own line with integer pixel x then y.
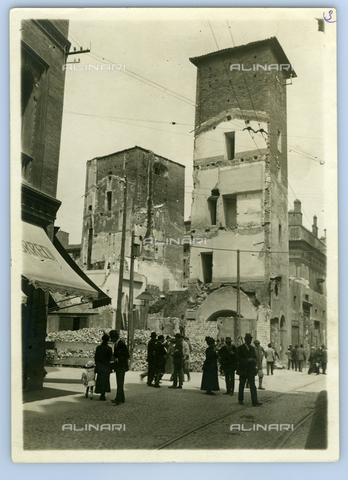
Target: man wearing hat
{"type": "Point", "coordinates": [121, 356]}
{"type": "Point", "coordinates": [228, 362]}
{"type": "Point", "coordinates": [151, 353]}
{"type": "Point", "coordinates": [178, 361]}
{"type": "Point", "coordinates": [313, 367]}
{"type": "Point", "coordinates": [246, 359]}
{"type": "Point", "coordinates": [160, 360]}
{"type": "Point", "coordinates": [288, 353]}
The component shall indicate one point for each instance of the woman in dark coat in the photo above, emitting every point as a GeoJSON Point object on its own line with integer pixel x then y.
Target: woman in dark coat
{"type": "Point", "coordinates": [102, 359]}
{"type": "Point", "coordinates": [210, 380]}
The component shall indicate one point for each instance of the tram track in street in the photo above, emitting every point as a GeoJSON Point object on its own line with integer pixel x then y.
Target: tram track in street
{"type": "Point", "coordinates": [278, 444]}
{"type": "Point", "coordinates": [285, 439]}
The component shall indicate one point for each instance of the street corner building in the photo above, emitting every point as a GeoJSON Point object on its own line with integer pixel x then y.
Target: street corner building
{"type": "Point", "coordinates": [47, 269]}
{"type": "Point", "coordinates": [259, 270]}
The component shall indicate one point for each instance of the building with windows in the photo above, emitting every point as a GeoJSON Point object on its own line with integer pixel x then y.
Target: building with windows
{"type": "Point", "coordinates": [307, 286]}
{"type": "Point", "coordinates": [154, 211]}
{"type": "Point", "coordinates": [239, 200]}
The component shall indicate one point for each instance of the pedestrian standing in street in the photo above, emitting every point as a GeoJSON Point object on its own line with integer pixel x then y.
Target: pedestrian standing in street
{"type": "Point", "coordinates": [178, 362]}
{"type": "Point", "coordinates": [228, 362]}
{"type": "Point", "coordinates": [210, 381]}
{"type": "Point", "coordinates": [313, 366]}
{"type": "Point", "coordinates": [288, 353]}
{"type": "Point", "coordinates": [182, 325]}
{"type": "Point", "coordinates": [295, 357]}
{"type": "Point", "coordinates": [88, 378]}
{"type": "Point", "coordinates": [318, 355]}
{"type": "Point", "coordinates": [102, 357]}
{"type": "Point", "coordinates": [260, 353]}
{"type": "Point", "coordinates": [246, 358]}
{"type": "Point", "coordinates": [151, 346]}
{"type": "Point", "coordinates": [121, 356]}
{"type": "Point", "coordinates": [160, 360]}
{"type": "Point", "coordinates": [169, 359]}
{"type": "Point", "coordinates": [186, 352]}
{"type": "Point", "coordinates": [301, 357]}
{"type": "Point", "coordinates": [323, 359]}
{"type": "Point", "coordinates": [270, 358]}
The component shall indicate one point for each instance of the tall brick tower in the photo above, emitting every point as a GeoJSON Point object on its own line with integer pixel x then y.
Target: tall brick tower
{"type": "Point", "coordinates": [240, 191]}
{"type": "Point", "coordinates": [155, 211]}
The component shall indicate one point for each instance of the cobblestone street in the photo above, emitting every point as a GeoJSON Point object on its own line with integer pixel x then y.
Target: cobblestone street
{"type": "Point", "coordinates": [168, 419]}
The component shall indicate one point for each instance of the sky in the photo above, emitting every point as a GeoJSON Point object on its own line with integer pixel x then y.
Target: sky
{"type": "Point", "coordinates": [107, 111]}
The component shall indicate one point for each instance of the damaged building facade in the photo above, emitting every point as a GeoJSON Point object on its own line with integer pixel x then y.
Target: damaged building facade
{"type": "Point", "coordinates": [155, 212]}
{"type": "Point", "coordinates": [239, 201]}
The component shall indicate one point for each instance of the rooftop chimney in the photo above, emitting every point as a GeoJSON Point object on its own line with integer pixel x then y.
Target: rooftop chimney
{"type": "Point", "coordinates": [314, 227]}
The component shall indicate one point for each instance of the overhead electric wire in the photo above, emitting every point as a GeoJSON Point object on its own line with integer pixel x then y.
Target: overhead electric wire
{"type": "Point", "coordinates": [108, 117]}
{"type": "Point", "coordinates": [148, 81]}
{"type": "Point", "coordinates": [252, 251]}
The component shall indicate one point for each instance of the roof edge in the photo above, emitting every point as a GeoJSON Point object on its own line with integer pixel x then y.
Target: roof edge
{"type": "Point", "coordinates": [272, 42]}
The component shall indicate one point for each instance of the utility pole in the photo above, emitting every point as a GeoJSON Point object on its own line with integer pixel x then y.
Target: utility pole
{"type": "Point", "coordinates": [238, 296]}
{"type": "Point", "coordinates": [119, 318]}
{"type": "Point", "coordinates": [130, 336]}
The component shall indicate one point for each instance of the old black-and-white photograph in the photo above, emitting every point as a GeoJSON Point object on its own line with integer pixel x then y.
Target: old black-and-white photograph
{"type": "Point", "coordinates": [174, 235]}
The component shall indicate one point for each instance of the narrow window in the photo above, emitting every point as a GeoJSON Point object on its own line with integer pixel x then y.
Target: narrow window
{"type": "Point", "coordinates": [109, 199]}
{"type": "Point", "coordinates": [89, 248]}
{"type": "Point", "coordinates": [76, 323]}
{"type": "Point", "coordinates": [207, 267]}
{"type": "Point", "coordinates": [212, 210]}
{"type": "Point", "coordinates": [230, 145]}
{"type": "Point", "coordinates": [186, 268]}
{"type": "Point", "coordinates": [280, 233]}
{"type": "Point", "coordinates": [186, 248]}
{"type": "Point", "coordinates": [230, 210]}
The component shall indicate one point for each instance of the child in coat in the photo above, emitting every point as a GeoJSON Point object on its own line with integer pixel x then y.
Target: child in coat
{"type": "Point", "coordinates": [88, 378]}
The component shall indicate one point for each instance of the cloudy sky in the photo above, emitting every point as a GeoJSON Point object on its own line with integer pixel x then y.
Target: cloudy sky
{"type": "Point", "coordinates": [107, 111]}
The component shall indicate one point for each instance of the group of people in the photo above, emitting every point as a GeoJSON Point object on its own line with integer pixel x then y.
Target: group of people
{"type": "Point", "coordinates": [171, 356]}
{"type": "Point", "coordinates": [317, 359]}
{"type": "Point", "coordinates": [242, 359]}
{"type": "Point", "coordinates": [97, 374]}
{"type": "Point", "coordinates": [247, 361]}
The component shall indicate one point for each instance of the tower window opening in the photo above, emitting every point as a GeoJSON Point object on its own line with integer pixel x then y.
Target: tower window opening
{"type": "Point", "coordinates": [230, 145]}
{"type": "Point", "coordinates": [109, 199]}
{"type": "Point", "coordinates": [207, 266]}
{"type": "Point", "coordinates": [212, 205]}
{"type": "Point", "coordinates": [230, 210]}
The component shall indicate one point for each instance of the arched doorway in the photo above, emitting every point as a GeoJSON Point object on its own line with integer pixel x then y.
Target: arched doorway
{"type": "Point", "coordinates": [225, 323]}
{"type": "Point", "coordinates": [221, 307]}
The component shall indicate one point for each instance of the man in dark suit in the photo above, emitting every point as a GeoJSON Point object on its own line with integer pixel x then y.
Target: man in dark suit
{"type": "Point", "coordinates": [151, 352]}
{"type": "Point", "coordinates": [228, 362]}
{"type": "Point", "coordinates": [246, 358]}
{"type": "Point", "coordinates": [121, 357]}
